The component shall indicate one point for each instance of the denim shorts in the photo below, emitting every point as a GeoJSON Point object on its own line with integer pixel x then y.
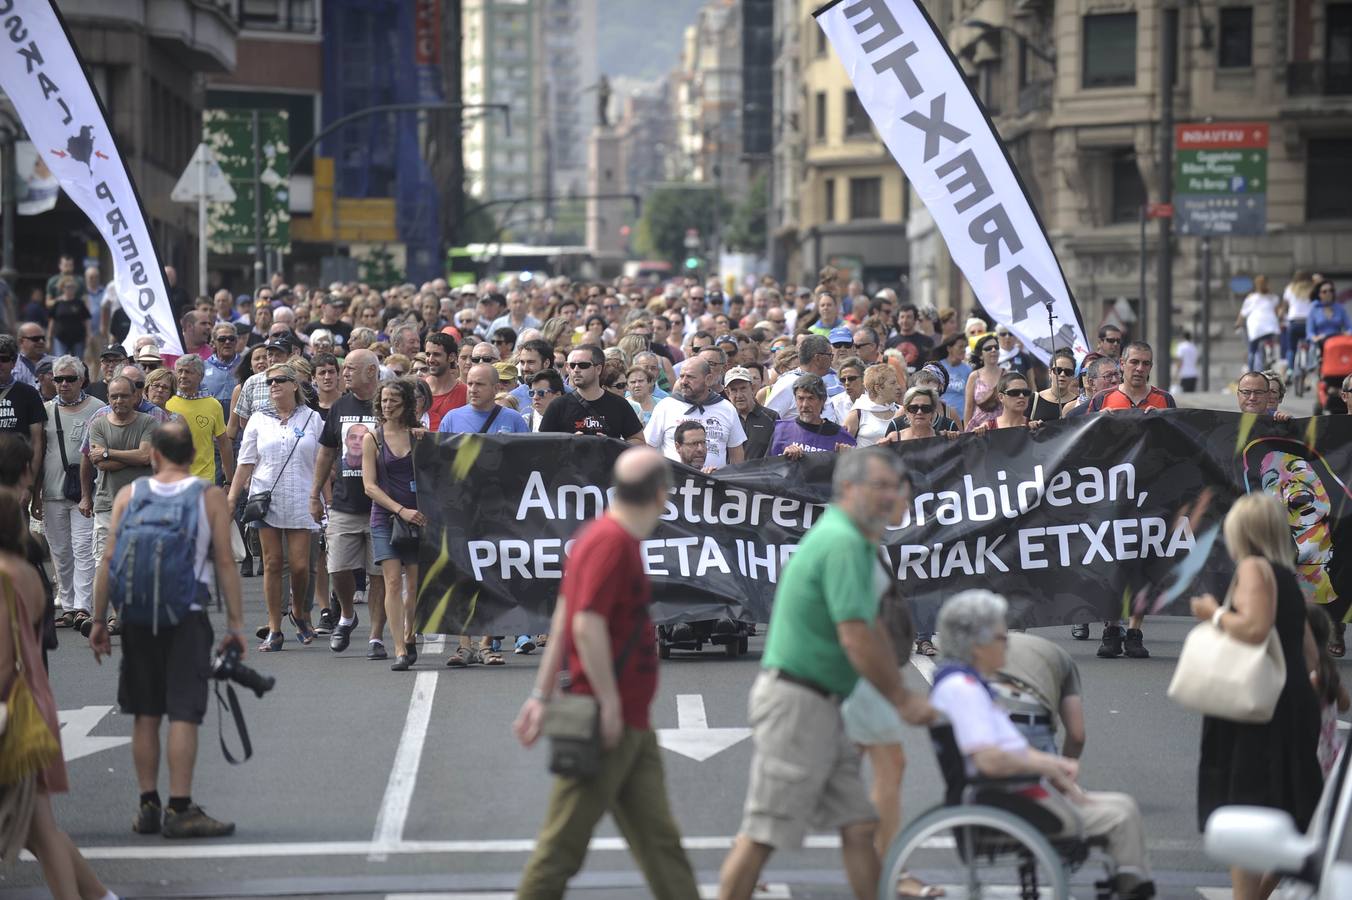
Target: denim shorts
{"type": "Point", "coordinates": [381, 549]}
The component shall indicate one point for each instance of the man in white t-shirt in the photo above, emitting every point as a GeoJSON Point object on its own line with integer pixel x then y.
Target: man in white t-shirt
{"type": "Point", "coordinates": [1186, 356]}
{"type": "Point", "coordinates": [695, 398]}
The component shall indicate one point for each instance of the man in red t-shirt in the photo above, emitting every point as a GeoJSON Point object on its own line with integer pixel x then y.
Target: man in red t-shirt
{"type": "Point", "coordinates": [1135, 392]}
{"type": "Point", "coordinates": [601, 621]}
{"type": "Point", "coordinates": [443, 377]}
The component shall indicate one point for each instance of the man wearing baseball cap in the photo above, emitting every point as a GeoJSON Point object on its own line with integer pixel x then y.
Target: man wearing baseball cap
{"type": "Point", "coordinates": [842, 343]}
{"type": "Point", "coordinates": [757, 421]}
{"type": "Point", "coordinates": [110, 360]}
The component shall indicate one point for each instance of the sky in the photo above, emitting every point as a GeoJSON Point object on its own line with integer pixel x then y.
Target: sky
{"type": "Point", "coordinates": [642, 38]}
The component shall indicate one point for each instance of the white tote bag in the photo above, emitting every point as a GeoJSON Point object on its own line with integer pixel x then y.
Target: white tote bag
{"type": "Point", "coordinates": [1219, 675]}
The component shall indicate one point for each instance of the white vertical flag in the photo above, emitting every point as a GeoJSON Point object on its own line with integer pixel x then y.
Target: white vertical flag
{"type": "Point", "coordinates": [913, 90]}
{"type": "Point", "coordinates": [41, 73]}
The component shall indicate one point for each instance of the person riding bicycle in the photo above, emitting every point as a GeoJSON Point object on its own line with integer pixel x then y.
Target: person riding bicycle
{"type": "Point", "coordinates": [1327, 317]}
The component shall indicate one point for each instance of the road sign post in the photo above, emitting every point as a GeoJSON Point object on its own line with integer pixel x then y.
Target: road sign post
{"type": "Point", "coordinates": [1221, 178]}
{"type": "Point", "coordinates": [202, 182]}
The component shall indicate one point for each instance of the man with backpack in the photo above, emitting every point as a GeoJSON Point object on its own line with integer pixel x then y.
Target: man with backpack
{"type": "Point", "coordinates": [169, 547]}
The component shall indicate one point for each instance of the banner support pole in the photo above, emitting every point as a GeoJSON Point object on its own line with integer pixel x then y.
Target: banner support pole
{"type": "Point", "coordinates": [1143, 305]}
{"type": "Point", "coordinates": [1206, 313]}
{"type": "Point", "coordinates": [1165, 287]}
{"type": "Point", "coordinates": [202, 226]}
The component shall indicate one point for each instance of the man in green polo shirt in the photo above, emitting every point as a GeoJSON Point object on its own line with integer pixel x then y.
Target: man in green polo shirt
{"type": "Point", "coordinates": [824, 636]}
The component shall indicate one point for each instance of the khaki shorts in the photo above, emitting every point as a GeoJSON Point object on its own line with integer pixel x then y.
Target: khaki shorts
{"type": "Point", "coordinates": [349, 540]}
{"type": "Point", "coordinates": [804, 772]}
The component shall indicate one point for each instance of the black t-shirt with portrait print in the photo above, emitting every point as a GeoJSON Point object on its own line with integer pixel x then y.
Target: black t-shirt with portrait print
{"type": "Point", "coordinates": [348, 422]}
{"type": "Point", "coordinates": [608, 414]}
{"type": "Point", "coordinates": [20, 408]}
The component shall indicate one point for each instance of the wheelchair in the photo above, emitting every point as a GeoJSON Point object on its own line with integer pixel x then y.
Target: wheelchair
{"type": "Point", "coordinates": [991, 840]}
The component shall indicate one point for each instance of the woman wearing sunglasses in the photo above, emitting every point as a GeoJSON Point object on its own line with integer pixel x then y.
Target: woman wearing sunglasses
{"type": "Point", "coordinates": [871, 413]}
{"type": "Point", "coordinates": [278, 455]}
{"type": "Point", "coordinates": [1014, 396]}
{"type": "Point", "coordinates": [1060, 391]}
{"type": "Point", "coordinates": [981, 402]}
{"type": "Point", "coordinates": [920, 405]}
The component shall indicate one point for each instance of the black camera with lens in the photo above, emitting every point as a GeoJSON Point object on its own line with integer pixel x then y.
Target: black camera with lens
{"type": "Point", "coordinates": [227, 667]}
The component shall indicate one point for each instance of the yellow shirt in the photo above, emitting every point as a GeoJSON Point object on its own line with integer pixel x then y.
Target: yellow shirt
{"type": "Point", "coordinates": [206, 421]}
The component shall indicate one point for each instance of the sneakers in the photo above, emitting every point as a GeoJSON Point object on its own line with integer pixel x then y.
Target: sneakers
{"type": "Point", "coordinates": [376, 650]}
{"type": "Point", "coordinates": [327, 621]}
{"type": "Point", "coordinates": [1080, 632]}
{"type": "Point", "coordinates": [193, 822]}
{"type": "Point", "coordinates": [524, 644]}
{"type": "Point", "coordinates": [147, 819]}
{"type": "Point", "coordinates": [1111, 647]}
{"type": "Point", "coordinates": [1134, 646]}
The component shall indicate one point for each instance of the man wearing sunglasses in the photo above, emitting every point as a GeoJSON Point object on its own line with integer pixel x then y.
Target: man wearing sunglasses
{"type": "Point", "coordinates": [1100, 374]}
{"type": "Point", "coordinates": [21, 409]}
{"type": "Point", "coordinates": [590, 408]}
{"type": "Point", "coordinates": [1109, 341]}
{"type": "Point", "coordinates": [545, 387]}
{"type": "Point", "coordinates": [222, 365]}
{"type": "Point", "coordinates": [33, 348]}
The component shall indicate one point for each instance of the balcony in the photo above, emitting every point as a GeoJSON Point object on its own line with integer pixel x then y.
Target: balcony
{"type": "Point", "coordinates": [1319, 79]}
{"type": "Point", "coordinates": [199, 33]}
{"type": "Point", "coordinates": [1036, 96]}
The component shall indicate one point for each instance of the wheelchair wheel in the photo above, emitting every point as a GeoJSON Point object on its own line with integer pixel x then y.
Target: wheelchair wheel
{"type": "Point", "coordinates": [976, 851]}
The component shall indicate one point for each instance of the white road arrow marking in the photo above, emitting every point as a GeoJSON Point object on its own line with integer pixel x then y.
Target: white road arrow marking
{"type": "Point", "coordinates": [75, 727]}
{"type": "Point", "coordinates": [692, 735]}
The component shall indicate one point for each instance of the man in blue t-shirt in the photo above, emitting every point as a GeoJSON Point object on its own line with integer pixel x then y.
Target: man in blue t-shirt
{"type": "Point", "coordinates": [483, 415]}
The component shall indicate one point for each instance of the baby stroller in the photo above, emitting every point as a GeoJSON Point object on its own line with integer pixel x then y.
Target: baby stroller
{"type": "Point", "coordinates": [1335, 364]}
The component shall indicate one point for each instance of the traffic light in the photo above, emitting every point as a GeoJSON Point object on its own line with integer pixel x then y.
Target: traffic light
{"type": "Point", "coordinates": [692, 262]}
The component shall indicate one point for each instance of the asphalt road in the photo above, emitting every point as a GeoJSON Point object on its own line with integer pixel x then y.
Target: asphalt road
{"type": "Point", "coordinates": [371, 783]}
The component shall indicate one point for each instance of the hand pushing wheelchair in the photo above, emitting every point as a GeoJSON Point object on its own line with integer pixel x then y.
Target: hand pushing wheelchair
{"type": "Point", "coordinates": [991, 839]}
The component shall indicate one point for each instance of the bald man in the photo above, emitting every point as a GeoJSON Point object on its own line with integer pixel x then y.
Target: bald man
{"type": "Point", "coordinates": [612, 657]}
{"type": "Point", "coordinates": [482, 415]}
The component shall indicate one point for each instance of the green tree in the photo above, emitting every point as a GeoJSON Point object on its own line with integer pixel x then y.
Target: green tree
{"type": "Point", "coordinates": [668, 212]}
{"type": "Point", "coordinates": [746, 229]}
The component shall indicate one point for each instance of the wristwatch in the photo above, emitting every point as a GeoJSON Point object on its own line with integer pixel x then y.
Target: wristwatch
{"type": "Point", "coordinates": [105, 454]}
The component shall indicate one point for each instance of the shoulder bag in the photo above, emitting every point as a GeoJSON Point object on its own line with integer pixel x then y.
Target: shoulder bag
{"type": "Point", "coordinates": [71, 488]}
{"type": "Point", "coordinates": [257, 506]}
{"type": "Point", "coordinates": [572, 722]}
{"type": "Point", "coordinates": [27, 744]}
{"type": "Point", "coordinates": [1221, 676]}
{"type": "Point", "coordinates": [403, 536]}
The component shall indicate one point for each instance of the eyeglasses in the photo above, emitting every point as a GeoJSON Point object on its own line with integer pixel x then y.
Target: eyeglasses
{"type": "Point", "coordinates": [139, 385]}
{"type": "Point", "coordinates": [858, 346]}
{"type": "Point", "coordinates": [1018, 392]}
{"type": "Point", "coordinates": [503, 341]}
{"type": "Point", "coordinates": [226, 338]}
{"type": "Point", "coordinates": [35, 338]}
{"type": "Point", "coordinates": [920, 409]}
{"type": "Point", "coordinates": [850, 379]}
{"type": "Point", "coordinates": [991, 348]}
{"type": "Point", "coordinates": [1249, 392]}
{"type": "Point", "coordinates": [580, 365]}
{"type": "Point", "coordinates": [541, 392]}
{"type": "Point", "coordinates": [694, 443]}
{"type": "Point", "coordinates": [65, 379]}
{"type": "Point", "coordinates": [1116, 340]}
{"type": "Point", "coordinates": [842, 346]}
{"type": "Point", "coordinates": [479, 360]}
{"type": "Point", "coordinates": [1057, 370]}
{"type": "Point", "coordinates": [281, 379]}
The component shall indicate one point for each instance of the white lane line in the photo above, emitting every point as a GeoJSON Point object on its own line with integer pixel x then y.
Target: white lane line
{"type": "Point", "coordinates": [493, 846]}
{"type": "Point", "coordinates": [404, 770]}
{"type": "Point", "coordinates": [1211, 893]}
{"type": "Point", "coordinates": [925, 666]}
{"type": "Point", "coordinates": [706, 892]}
{"type": "Point", "coordinates": [434, 645]}
{"type": "Point", "coordinates": [690, 712]}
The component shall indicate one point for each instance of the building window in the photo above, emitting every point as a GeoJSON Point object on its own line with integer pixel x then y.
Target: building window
{"type": "Point", "coordinates": [1110, 50]}
{"type": "Point", "coordinates": [866, 198]}
{"type": "Point", "coordinates": [819, 121]}
{"type": "Point", "coordinates": [1328, 192]}
{"type": "Point", "coordinates": [1127, 189]}
{"type": "Point", "coordinates": [829, 201]}
{"type": "Point", "coordinates": [1236, 46]}
{"type": "Point", "coordinates": [857, 124]}
{"type": "Point", "coordinates": [279, 15]}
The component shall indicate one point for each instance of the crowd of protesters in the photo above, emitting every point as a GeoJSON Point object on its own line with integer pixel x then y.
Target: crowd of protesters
{"type": "Point", "coordinates": [311, 399]}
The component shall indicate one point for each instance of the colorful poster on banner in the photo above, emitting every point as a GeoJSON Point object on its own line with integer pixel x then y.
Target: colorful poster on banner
{"type": "Point", "coordinates": [1082, 521]}
{"type": "Point", "coordinates": [1220, 186]}
{"type": "Point", "coordinates": [44, 78]}
{"type": "Point", "coordinates": [927, 115]}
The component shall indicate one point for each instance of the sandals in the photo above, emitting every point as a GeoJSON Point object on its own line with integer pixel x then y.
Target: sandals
{"type": "Point", "coordinates": [305, 632]}
{"type": "Point", "coordinates": [911, 886]}
{"type": "Point", "coordinates": [81, 617]}
{"type": "Point", "coordinates": [491, 658]}
{"type": "Point", "coordinates": [272, 643]}
{"type": "Point", "coordinates": [66, 619]}
{"type": "Point", "coordinates": [1337, 646]}
{"type": "Point", "coordinates": [461, 658]}
{"type": "Point", "coordinates": [926, 648]}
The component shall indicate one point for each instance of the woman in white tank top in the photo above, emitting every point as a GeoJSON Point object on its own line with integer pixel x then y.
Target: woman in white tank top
{"type": "Point", "coordinates": [869, 415]}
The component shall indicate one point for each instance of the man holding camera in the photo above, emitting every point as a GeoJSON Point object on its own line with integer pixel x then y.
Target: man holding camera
{"type": "Point", "coordinates": [165, 670]}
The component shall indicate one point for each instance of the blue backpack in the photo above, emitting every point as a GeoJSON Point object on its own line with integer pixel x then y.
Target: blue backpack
{"type": "Point", "coordinates": [151, 577]}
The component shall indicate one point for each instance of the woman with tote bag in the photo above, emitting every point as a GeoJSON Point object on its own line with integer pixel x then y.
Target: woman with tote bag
{"type": "Point", "coordinates": [1273, 763]}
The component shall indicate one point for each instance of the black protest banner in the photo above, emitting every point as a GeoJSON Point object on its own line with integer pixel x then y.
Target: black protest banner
{"type": "Point", "coordinates": [1083, 520]}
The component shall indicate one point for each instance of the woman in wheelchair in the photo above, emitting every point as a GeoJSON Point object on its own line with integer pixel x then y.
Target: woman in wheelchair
{"type": "Point", "coordinates": [973, 636]}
